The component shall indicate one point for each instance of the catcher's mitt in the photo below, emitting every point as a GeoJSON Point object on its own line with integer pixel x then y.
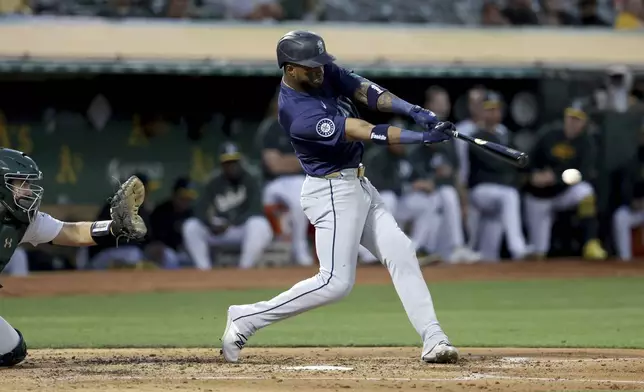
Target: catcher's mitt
{"type": "Point", "coordinates": [124, 209]}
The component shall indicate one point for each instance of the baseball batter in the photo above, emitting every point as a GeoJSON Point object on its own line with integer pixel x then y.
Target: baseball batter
{"type": "Point", "coordinates": [338, 199]}
{"type": "Point", "coordinates": [20, 198]}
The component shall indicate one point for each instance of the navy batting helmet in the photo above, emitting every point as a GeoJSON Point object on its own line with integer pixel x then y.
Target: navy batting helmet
{"type": "Point", "coordinates": [303, 48]}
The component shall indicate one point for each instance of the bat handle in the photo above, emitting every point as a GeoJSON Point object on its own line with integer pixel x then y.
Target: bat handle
{"type": "Point", "coordinates": [522, 160]}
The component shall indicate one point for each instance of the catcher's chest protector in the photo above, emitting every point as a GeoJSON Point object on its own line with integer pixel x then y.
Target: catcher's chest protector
{"type": "Point", "coordinates": [10, 237]}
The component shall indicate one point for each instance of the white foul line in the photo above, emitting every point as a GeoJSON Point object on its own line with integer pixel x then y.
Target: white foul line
{"type": "Point", "coordinates": [473, 377]}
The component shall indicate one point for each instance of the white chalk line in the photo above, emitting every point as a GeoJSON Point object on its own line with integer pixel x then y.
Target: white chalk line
{"type": "Point", "coordinates": [523, 360]}
{"type": "Point", "coordinates": [473, 377]}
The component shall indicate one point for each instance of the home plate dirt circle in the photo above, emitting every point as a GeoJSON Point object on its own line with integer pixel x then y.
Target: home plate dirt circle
{"type": "Point", "coordinates": [311, 369]}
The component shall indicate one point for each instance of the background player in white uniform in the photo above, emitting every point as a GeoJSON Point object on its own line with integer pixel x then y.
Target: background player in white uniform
{"type": "Point", "coordinates": [631, 213]}
{"type": "Point", "coordinates": [20, 198]}
{"type": "Point", "coordinates": [283, 179]}
{"type": "Point", "coordinates": [495, 204]}
{"type": "Point", "coordinates": [475, 106]}
{"type": "Point", "coordinates": [338, 199]}
{"type": "Point", "coordinates": [228, 213]}
{"type": "Point", "coordinates": [440, 161]}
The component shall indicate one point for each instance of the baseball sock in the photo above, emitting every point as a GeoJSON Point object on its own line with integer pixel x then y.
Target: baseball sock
{"type": "Point", "coordinates": [587, 213]}
{"type": "Point", "coordinates": [9, 338]}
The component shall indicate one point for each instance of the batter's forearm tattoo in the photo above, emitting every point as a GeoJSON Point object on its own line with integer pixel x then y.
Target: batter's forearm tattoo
{"type": "Point", "coordinates": [385, 100]}
{"type": "Point", "coordinates": [360, 94]}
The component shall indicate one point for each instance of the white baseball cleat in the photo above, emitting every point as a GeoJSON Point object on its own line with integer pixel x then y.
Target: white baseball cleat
{"type": "Point", "coordinates": [232, 341]}
{"type": "Point", "coordinates": [464, 255]}
{"type": "Point", "coordinates": [443, 352]}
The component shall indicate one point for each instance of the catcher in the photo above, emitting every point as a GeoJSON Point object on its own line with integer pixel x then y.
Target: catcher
{"type": "Point", "coordinates": [21, 221]}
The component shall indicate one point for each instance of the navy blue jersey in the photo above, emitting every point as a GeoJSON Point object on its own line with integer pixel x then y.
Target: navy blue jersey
{"type": "Point", "coordinates": [314, 121]}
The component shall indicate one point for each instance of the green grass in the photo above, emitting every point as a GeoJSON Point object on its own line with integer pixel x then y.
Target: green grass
{"type": "Point", "coordinates": [547, 313]}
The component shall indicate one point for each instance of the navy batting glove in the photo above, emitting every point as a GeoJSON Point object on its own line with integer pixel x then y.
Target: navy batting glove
{"type": "Point", "coordinates": [423, 117]}
{"type": "Point", "coordinates": [442, 132]}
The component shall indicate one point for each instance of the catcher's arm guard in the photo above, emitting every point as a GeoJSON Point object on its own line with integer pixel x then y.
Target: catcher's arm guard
{"type": "Point", "coordinates": [126, 222]}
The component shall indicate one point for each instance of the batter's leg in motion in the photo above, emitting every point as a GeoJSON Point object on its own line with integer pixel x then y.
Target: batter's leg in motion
{"type": "Point", "coordinates": [257, 237]}
{"type": "Point", "coordinates": [13, 348]}
{"type": "Point", "coordinates": [338, 209]}
{"type": "Point", "coordinates": [539, 219]}
{"type": "Point", "coordinates": [196, 240]}
{"type": "Point", "coordinates": [386, 240]}
{"type": "Point", "coordinates": [391, 204]}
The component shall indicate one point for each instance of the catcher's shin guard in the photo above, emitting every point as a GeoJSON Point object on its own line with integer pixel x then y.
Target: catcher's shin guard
{"type": "Point", "coordinates": [16, 355]}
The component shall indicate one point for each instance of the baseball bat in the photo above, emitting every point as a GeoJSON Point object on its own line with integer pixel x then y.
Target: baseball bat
{"type": "Point", "coordinates": [510, 155]}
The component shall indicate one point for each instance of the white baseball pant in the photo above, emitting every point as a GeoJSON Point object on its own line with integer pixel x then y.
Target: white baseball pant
{"type": "Point", "coordinates": [254, 236]}
{"type": "Point", "coordinates": [416, 207]}
{"type": "Point", "coordinates": [9, 338]}
{"type": "Point", "coordinates": [348, 211]}
{"type": "Point", "coordinates": [539, 213]}
{"type": "Point", "coordinates": [624, 220]}
{"type": "Point", "coordinates": [447, 227]}
{"type": "Point", "coordinates": [286, 190]}
{"type": "Point", "coordinates": [495, 210]}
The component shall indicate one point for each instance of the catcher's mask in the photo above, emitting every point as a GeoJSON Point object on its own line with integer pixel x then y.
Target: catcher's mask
{"type": "Point", "coordinates": [21, 194]}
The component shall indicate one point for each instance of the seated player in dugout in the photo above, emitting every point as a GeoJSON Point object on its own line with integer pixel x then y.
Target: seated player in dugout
{"type": "Point", "coordinates": [440, 162]}
{"type": "Point", "coordinates": [166, 245]}
{"type": "Point", "coordinates": [554, 151]}
{"type": "Point", "coordinates": [495, 204]}
{"type": "Point", "coordinates": [475, 105]}
{"type": "Point", "coordinates": [283, 179]}
{"type": "Point", "coordinates": [473, 123]}
{"type": "Point", "coordinates": [630, 214]}
{"type": "Point", "coordinates": [228, 213]}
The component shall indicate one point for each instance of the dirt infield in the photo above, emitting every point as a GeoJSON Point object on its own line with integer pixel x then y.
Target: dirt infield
{"type": "Point", "coordinates": [359, 369]}
{"type": "Point", "coordinates": [273, 369]}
